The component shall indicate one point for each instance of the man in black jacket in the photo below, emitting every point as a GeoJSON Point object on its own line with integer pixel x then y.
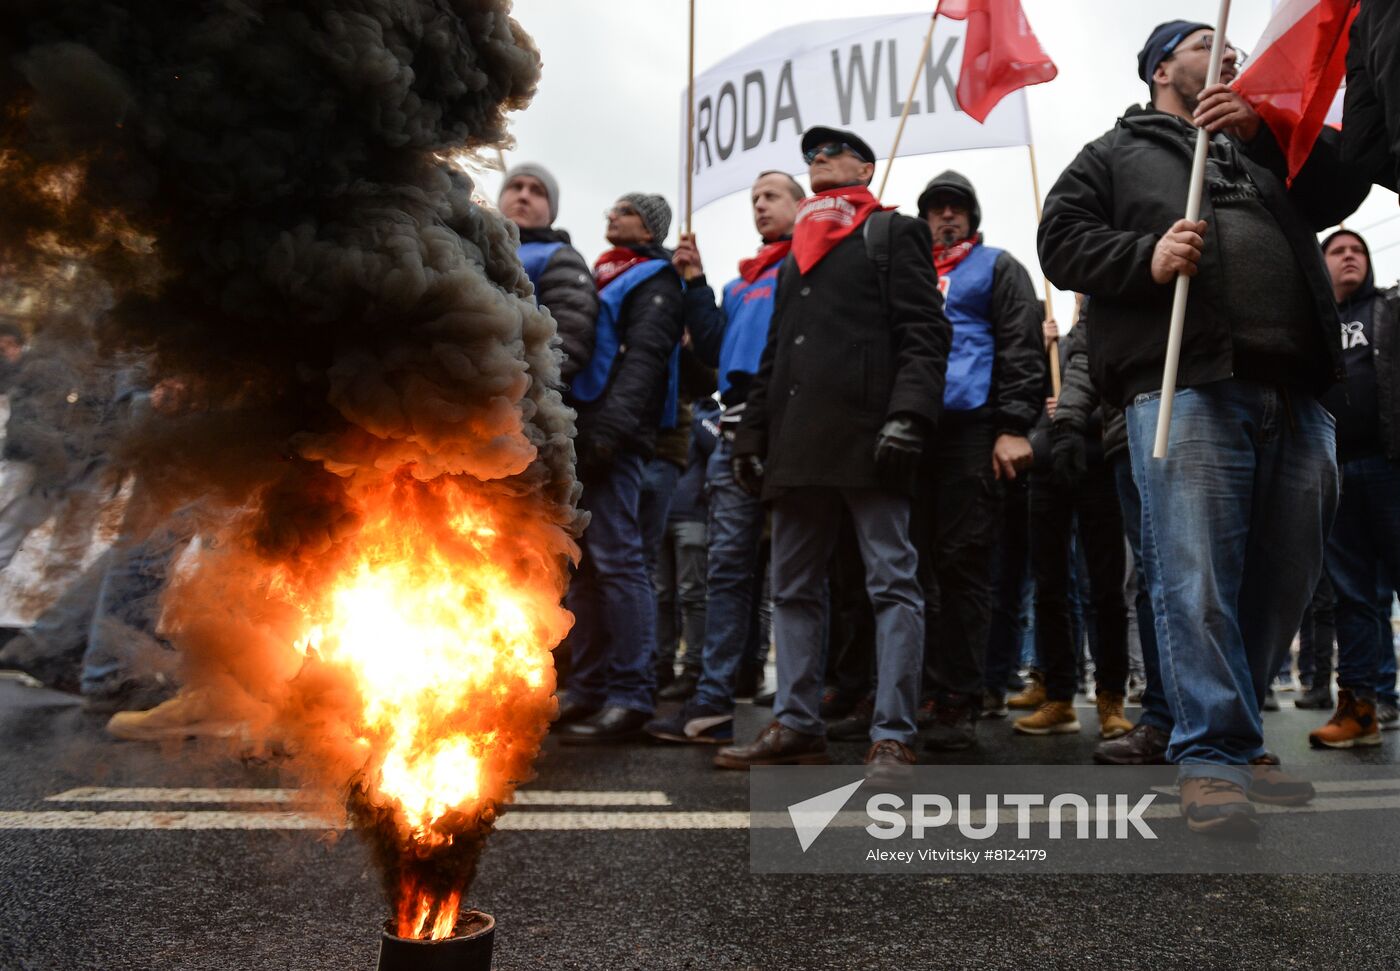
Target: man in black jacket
{"type": "Point", "coordinates": [849, 387]}
{"type": "Point", "coordinates": [1365, 540]}
{"type": "Point", "coordinates": [563, 286]}
{"type": "Point", "coordinates": [1236, 516]}
{"type": "Point", "coordinates": [995, 378]}
{"type": "Point", "coordinates": [622, 397]}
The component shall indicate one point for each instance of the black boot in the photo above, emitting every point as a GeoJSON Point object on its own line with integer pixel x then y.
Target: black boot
{"type": "Point", "coordinates": [610, 725]}
{"type": "Point", "coordinates": [1318, 697]}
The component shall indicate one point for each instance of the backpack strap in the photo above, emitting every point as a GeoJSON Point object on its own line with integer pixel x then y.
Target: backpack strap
{"type": "Point", "coordinates": [879, 240]}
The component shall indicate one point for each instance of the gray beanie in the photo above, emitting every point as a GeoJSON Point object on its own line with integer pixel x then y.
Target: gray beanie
{"type": "Point", "coordinates": [536, 171]}
{"type": "Point", "coordinates": [655, 213]}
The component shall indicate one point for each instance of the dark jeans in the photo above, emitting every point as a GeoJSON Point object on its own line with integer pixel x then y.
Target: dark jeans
{"type": "Point", "coordinates": [956, 523]}
{"type": "Point", "coordinates": [613, 641]}
{"type": "Point", "coordinates": [1317, 638]}
{"type": "Point", "coordinates": [680, 596]}
{"type": "Point", "coordinates": [659, 478]}
{"type": "Point", "coordinates": [1362, 550]}
{"type": "Point", "coordinates": [1154, 702]}
{"type": "Point", "coordinates": [1011, 573]}
{"type": "Point", "coordinates": [1053, 514]}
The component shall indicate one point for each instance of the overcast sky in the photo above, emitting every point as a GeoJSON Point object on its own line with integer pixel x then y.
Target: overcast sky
{"type": "Point", "coordinates": [606, 120]}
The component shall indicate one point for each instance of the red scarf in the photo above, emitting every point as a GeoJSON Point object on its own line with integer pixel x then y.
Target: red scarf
{"type": "Point", "coordinates": [946, 258]}
{"type": "Point", "coordinates": [828, 217]}
{"type": "Point", "coordinates": [615, 262]}
{"type": "Point", "coordinates": [768, 254]}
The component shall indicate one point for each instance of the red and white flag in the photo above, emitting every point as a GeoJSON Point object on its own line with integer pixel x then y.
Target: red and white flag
{"type": "Point", "coordinates": [1001, 53]}
{"type": "Point", "coordinates": [1293, 78]}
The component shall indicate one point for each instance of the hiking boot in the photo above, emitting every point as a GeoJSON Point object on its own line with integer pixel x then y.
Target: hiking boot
{"type": "Point", "coordinates": [856, 725]}
{"type": "Point", "coordinates": [1273, 786]}
{"type": "Point", "coordinates": [1217, 807]}
{"type": "Point", "coordinates": [954, 725]}
{"type": "Point", "coordinates": [1144, 745]}
{"type": "Point", "coordinates": [1317, 697]}
{"type": "Point", "coordinates": [681, 687]}
{"type": "Point", "coordinates": [1387, 716]}
{"type": "Point", "coordinates": [889, 762]}
{"type": "Point", "coordinates": [1051, 718]}
{"type": "Point", "coordinates": [190, 714]}
{"type": "Point", "coordinates": [694, 724]}
{"type": "Point", "coordinates": [1112, 724]}
{"type": "Point", "coordinates": [776, 745]}
{"type": "Point", "coordinates": [1033, 695]}
{"type": "Point", "coordinates": [1352, 724]}
{"type": "Point", "coordinates": [993, 705]}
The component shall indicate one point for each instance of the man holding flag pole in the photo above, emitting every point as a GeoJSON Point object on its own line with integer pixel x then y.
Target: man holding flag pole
{"type": "Point", "coordinates": [1235, 516]}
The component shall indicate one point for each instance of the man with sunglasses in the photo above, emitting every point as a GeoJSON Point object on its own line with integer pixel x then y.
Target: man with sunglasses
{"type": "Point", "coordinates": [848, 389]}
{"type": "Point", "coordinates": [1235, 517]}
{"type": "Point", "coordinates": [625, 392]}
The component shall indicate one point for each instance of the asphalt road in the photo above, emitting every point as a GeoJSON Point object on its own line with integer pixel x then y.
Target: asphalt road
{"type": "Point", "coordinates": [649, 899]}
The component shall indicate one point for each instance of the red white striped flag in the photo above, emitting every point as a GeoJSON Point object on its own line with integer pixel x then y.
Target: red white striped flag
{"type": "Point", "coordinates": [1293, 77]}
{"type": "Point", "coordinates": [1001, 53]}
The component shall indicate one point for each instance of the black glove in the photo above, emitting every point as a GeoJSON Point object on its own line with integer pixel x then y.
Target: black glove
{"type": "Point", "coordinates": [748, 473]}
{"type": "Point", "coordinates": [1068, 456]}
{"type": "Point", "coordinates": [897, 450]}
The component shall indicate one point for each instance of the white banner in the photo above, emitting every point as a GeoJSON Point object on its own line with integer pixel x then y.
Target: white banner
{"type": "Point", "coordinates": [751, 108]}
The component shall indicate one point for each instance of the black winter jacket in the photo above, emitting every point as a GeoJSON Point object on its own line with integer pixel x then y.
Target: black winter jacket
{"type": "Point", "coordinates": [567, 291]}
{"type": "Point", "coordinates": [1080, 401]}
{"type": "Point", "coordinates": [1110, 206]}
{"type": "Point", "coordinates": [1386, 323]}
{"type": "Point", "coordinates": [1371, 117]}
{"type": "Point", "coordinates": [836, 368]}
{"type": "Point", "coordinates": [627, 413]}
{"type": "Point", "coordinates": [1020, 368]}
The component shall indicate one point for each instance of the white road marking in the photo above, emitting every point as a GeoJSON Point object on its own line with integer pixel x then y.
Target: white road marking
{"type": "Point", "coordinates": [560, 821]}
{"type": "Point", "coordinates": [524, 797]}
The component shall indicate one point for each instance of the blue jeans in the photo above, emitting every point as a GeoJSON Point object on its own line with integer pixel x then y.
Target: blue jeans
{"type": "Point", "coordinates": [613, 640]}
{"type": "Point", "coordinates": [803, 541]}
{"type": "Point", "coordinates": [735, 528]}
{"type": "Point", "coordinates": [1234, 521]}
{"type": "Point", "coordinates": [1364, 547]}
{"type": "Point", "coordinates": [1154, 702]}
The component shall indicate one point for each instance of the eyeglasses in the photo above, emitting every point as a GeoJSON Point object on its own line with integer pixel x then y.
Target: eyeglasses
{"type": "Point", "coordinates": [959, 207]}
{"type": "Point", "coordinates": [830, 150]}
{"type": "Point", "coordinates": [619, 212]}
{"type": "Point", "coordinates": [1205, 44]}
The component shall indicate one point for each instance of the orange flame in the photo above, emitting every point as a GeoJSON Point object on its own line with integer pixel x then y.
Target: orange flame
{"type": "Point", "coordinates": [442, 618]}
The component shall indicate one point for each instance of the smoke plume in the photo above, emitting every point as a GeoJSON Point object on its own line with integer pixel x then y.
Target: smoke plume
{"type": "Point", "coordinates": [254, 197]}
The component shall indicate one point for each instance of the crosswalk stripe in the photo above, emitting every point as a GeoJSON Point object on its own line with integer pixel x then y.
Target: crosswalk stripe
{"type": "Point", "coordinates": [215, 796]}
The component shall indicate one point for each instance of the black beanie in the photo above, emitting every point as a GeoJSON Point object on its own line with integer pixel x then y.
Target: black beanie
{"type": "Point", "coordinates": [1161, 42]}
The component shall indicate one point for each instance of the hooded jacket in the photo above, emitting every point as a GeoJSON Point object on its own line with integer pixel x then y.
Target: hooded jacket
{"type": "Point", "coordinates": [1124, 190]}
{"type": "Point", "coordinates": [1371, 116]}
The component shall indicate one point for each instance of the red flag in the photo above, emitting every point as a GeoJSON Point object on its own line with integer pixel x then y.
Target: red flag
{"type": "Point", "coordinates": [1292, 79]}
{"type": "Point", "coordinates": [1000, 55]}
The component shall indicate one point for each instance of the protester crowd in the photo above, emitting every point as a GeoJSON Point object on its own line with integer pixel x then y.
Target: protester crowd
{"type": "Point", "coordinates": [851, 457]}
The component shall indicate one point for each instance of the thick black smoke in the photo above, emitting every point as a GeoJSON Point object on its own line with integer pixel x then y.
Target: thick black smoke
{"type": "Point", "coordinates": [255, 198]}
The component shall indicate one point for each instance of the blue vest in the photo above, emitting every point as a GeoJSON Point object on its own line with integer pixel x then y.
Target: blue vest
{"type": "Point", "coordinates": [590, 383]}
{"type": "Point", "coordinates": [535, 257]}
{"type": "Point", "coordinates": [748, 309]}
{"type": "Point", "coordinates": [967, 296]}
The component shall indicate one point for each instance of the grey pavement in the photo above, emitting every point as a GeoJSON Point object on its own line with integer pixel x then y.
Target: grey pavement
{"type": "Point", "coordinates": [644, 899]}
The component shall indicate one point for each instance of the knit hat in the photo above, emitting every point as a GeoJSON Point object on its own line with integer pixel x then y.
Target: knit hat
{"type": "Point", "coordinates": [655, 213]}
{"type": "Point", "coordinates": [952, 183]}
{"type": "Point", "coordinates": [1161, 42]}
{"type": "Point", "coordinates": [536, 171]}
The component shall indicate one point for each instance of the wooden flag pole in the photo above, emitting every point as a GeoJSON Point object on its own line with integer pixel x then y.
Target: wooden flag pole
{"type": "Point", "coordinates": [1183, 282]}
{"type": "Point", "coordinates": [1054, 349]}
{"type": "Point", "coordinates": [908, 100]}
{"type": "Point", "coordinates": [690, 121]}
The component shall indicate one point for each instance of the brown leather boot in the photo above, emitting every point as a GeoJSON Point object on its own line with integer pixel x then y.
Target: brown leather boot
{"type": "Point", "coordinates": [776, 745]}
